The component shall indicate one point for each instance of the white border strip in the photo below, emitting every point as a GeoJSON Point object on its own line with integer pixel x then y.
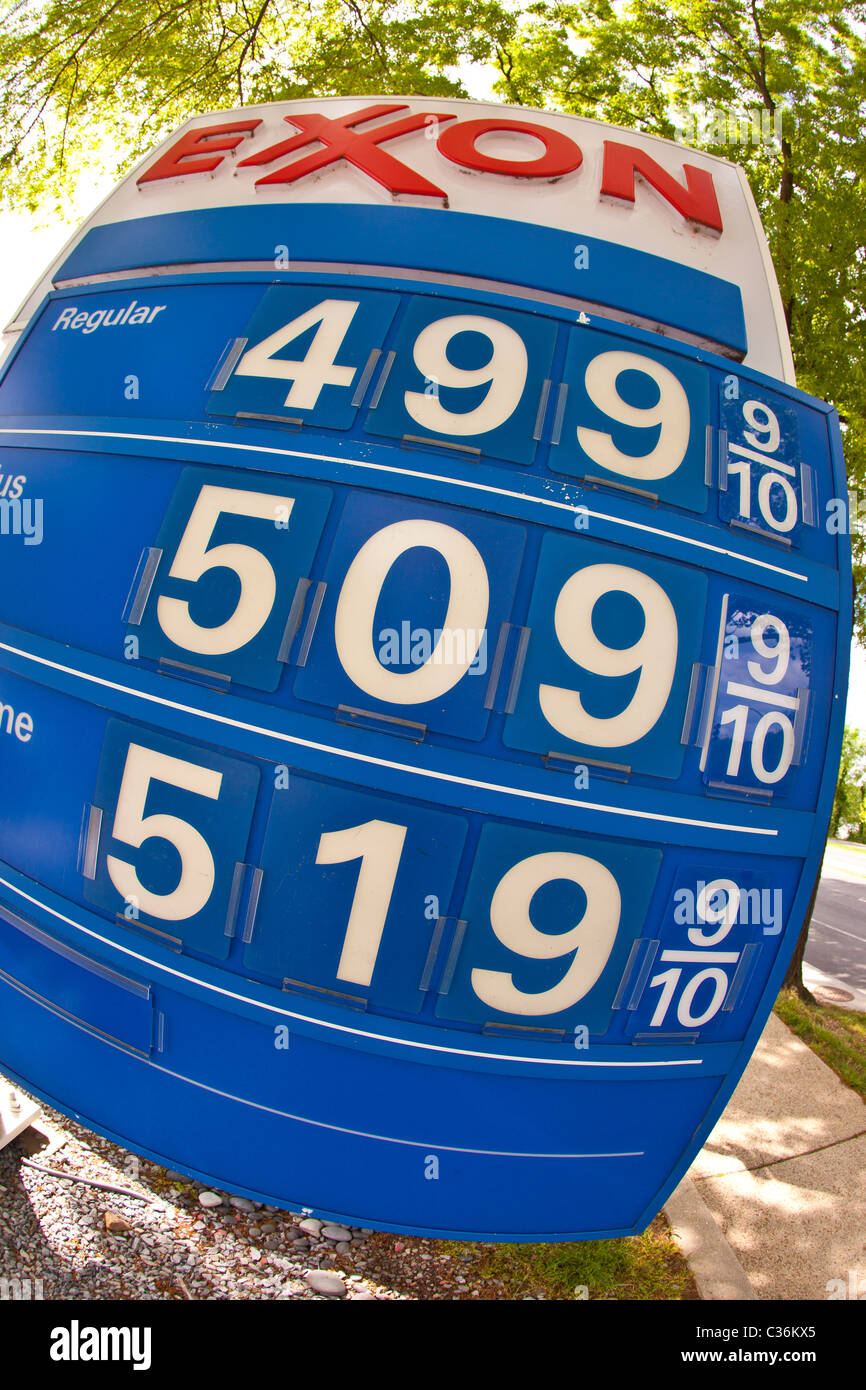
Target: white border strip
{"type": "Point", "coordinates": [324, 1023]}
{"type": "Point", "coordinates": [574, 507]}
{"type": "Point", "coordinates": [717, 671]}
{"type": "Point", "coordinates": [432, 1145]}
{"type": "Point", "coordinates": [522, 792]}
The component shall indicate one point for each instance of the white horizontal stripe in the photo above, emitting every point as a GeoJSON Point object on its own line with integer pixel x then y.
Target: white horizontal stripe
{"type": "Point", "coordinates": [392, 272]}
{"type": "Point", "coordinates": [717, 671]}
{"type": "Point", "coordinates": [764, 693]}
{"type": "Point", "coordinates": [766, 459]}
{"type": "Point", "coordinates": [830, 927]}
{"type": "Point", "coordinates": [383, 762]}
{"type": "Point", "coordinates": [430, 1145]}
{"type": "Point", "coordinates": [323, 1023]}
{"type": "Point", "coordinates": [714, 957]}
{"type": "Point", "coordinates": [573, 507]}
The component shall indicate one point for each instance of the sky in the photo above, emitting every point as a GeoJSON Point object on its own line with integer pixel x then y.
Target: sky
{"type": "Point", "coordinates": [26, 248]}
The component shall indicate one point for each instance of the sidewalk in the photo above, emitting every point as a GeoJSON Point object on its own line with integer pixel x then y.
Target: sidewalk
{"type": "Point", "coordinates": [784, 1175]}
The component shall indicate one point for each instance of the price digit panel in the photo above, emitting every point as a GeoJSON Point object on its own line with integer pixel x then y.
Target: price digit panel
{"type": "Point", "coordinates": [216, 590]}
{"type": "Point", "coordinates": [416, 907]}
{"type": "Point", "coordinates": [455, 380]}
{"type": "Point", "coordinates": [610, 658]}
{"type": "Point", "coordinates": [300, 355]}
{"type": "Point", "coordinates": [558, 639]}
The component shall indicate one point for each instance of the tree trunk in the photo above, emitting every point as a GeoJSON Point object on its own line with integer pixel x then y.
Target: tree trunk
{"type": "Point", "coordinates": [794, 974]}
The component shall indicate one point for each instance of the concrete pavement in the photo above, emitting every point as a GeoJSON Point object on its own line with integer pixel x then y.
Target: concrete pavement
{"type": "Point", "coordinates": [784, 1176]}
{"type": "Point", "coordinates": [774, 1207]}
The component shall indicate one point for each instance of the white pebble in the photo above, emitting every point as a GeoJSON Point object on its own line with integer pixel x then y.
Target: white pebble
{"type": "Point", "coordinates": [321, 1281]}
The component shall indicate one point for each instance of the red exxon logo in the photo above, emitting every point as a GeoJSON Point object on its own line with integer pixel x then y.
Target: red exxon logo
{"type": "Point", "coordinates": [322, 141]}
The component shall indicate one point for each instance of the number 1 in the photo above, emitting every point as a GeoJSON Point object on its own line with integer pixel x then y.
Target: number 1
{"type": "Point", "coordinates": [378, 845]}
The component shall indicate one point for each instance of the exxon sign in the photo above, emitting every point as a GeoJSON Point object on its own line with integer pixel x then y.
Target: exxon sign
{"type": "Point", "coordinates": [423, 644]}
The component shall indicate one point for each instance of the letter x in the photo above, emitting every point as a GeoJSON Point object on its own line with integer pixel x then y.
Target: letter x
{"type": "Point", "coordinates": [342, 141]}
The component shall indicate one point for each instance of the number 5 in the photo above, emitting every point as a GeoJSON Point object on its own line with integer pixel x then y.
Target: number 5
{"type": "Point", "coordinates": [193, 559]}
{"type": "Point", "coordinates": [133, 827]}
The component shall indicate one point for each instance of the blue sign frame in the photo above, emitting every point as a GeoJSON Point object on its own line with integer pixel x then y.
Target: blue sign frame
{"type": "Point", "coordinates": [341, 1089]}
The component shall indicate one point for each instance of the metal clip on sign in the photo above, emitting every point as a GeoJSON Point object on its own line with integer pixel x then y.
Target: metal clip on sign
{"type": "Point", "coordinates": [419, 734]}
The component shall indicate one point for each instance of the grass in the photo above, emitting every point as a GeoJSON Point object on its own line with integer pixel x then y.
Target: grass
{"type": "Point", "coordinates": [838, 1036]}
{"type": "Point", "coordinates": [646, 1267]}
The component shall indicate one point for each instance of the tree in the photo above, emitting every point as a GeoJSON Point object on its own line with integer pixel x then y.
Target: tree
{"type": "Point", "coordinates": [656, 65]}
{"type": "Point", "coordinates": [849, 802]}
{"type": "Point", "coordinates": [653, 64]}
{"type": "Point", "coordinates": [78, 77]}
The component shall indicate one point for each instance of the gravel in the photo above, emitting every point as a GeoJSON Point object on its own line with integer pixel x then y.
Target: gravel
{"type": "Point", "coordinates": [187, 1241]}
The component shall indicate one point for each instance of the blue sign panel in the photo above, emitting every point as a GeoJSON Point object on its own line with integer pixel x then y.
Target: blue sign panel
{"type": "Point", "coordinates": [474, 382]}
{"type": "Point", "coordinates": [188, 825]}
{"type": "Point", "coordinates": [420, 701]}
{"type": "Point", "coordinates": [551, 921]}
{"type": "Point", "coordinates": [300, 355]}
{"type": "Point", "coordinates": [762, 704]}
{"type": "Point", "coordinates": [342, 906]}
{"type": "Point", "coordinates": [765, 484]}
{"type": "Point", "coordinates": [416, 599]}
{"type": "Point", "coordinates": [636, 419]}
{"type": "Point", "coordinates": [610, 656]}
{"type": "Point", "coordinates": [216, 592]}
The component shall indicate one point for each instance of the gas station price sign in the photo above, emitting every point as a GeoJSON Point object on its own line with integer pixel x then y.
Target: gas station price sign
{"type": "Point", "coordinates": [422, 702]}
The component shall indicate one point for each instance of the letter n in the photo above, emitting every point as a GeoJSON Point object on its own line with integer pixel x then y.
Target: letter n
{"type": "Point", "coordinates": [696, 202]}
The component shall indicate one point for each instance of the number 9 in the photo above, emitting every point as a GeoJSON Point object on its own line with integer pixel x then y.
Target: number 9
{"type": "Point", "coordinates": [591, 939]}
{"type": "Point", "coordinates": [505, 371]}
{"type": "Point", "coordinates": [723, 916]}
{"type": "Point", "coordinates": [671, 413]}
{"type": "Point", "coordinates": [654, 655]}
{"type": "Point", "coordinates": [779, 653]}
{"type": "Point", "coordinates": [769, 425]}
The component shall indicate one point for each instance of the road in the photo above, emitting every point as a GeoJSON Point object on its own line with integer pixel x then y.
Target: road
{"type": "Point", "coordinates": [837, 937]}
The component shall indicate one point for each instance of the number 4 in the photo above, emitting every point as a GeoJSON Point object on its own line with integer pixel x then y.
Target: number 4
{"type": "Point", "coordinates": [318, 367]}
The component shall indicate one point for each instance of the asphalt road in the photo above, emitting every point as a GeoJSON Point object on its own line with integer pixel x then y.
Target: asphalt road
{"type": "Point", "coordinates": [837, 937]}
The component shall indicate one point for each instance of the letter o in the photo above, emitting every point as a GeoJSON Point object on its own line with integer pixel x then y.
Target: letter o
{"type": "Point", "coordinates": [561, 155]}
{"type": "Point", "coordinates": [468, 603]}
